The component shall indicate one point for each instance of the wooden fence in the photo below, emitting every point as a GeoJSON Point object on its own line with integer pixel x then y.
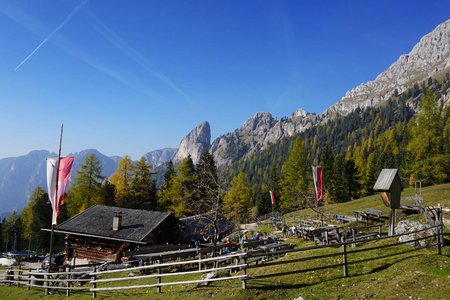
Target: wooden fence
{"type": "Point", "coordinates": [153, 275]}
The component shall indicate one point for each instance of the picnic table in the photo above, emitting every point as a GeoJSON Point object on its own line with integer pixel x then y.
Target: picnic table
{"type": "Point", "coordinates": [369, 214]}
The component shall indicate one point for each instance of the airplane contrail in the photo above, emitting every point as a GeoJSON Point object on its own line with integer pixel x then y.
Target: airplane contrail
{"type": "Point", "coordinates": [74, 11]}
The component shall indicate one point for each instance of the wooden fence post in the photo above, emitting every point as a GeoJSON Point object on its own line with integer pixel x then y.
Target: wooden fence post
{"type": "Point", "coordinates": [46, 284]}
{"type": "Point", "coordinates": [19, 275]}
{"type": "Point", "coordinates": [94, 285]}
{"type": "Point", "coordinates": [29, 279]}
{"type": "Point", "coordinates": [440, 238]}
{"type": "Point", "coordinates": [158, 279]}
{"type": "Point", "coordinates": [244, 269]}
{"type": "Point", "coordinates": [344, 256]}
{"type": "Point", "coordinates": [68, 277]}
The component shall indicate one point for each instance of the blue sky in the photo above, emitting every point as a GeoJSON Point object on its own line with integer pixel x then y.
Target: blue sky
{"type": "Point", "coordinates": [128, 77]}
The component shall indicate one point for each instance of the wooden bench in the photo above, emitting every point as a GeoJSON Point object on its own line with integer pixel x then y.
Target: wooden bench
{"type": "Point", "coordinates": [368, 214]}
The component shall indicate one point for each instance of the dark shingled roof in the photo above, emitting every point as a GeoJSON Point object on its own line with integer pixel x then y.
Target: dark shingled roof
{"type": "Point", "coordinates": [97, 221]}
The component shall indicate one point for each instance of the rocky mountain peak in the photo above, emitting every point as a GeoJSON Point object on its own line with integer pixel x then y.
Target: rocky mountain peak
{"type": "Point", "coordinates": [259, 120]}
{"type": "Point", "coordinates": [428, 58]}
{"type": "Point", "coordinates": [197, 141]}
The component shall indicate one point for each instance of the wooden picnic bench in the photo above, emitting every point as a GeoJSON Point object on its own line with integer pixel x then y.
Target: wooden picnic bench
{"type": "Point", "coordinates": [369, 214]}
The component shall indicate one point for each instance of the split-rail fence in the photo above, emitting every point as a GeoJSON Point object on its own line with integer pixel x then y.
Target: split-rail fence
{"type": "Point", "coordinates": [234, 266]}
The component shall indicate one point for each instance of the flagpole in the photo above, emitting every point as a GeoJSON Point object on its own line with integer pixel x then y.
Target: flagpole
{"type": "Point", "coordinates": [56, 201]}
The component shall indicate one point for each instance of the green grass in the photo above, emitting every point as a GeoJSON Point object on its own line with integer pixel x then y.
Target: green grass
{"type": "Point", "coordinates": [420, 274]}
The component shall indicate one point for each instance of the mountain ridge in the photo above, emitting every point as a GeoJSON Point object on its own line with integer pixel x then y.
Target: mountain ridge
{"type": "Point", "coordinates": [428, 58]}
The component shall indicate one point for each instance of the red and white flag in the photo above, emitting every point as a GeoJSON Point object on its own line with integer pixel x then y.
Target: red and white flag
{"type": "Point", "coordinates": [57, 197]}
{"type": "Point", "coordinates": [272, 197]}
{"type": "Point", "coordinates": [317, 176]}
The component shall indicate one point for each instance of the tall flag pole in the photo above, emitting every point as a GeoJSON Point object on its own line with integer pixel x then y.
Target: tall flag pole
{"type": "Point", "coordinates": [54, 196]}
{"type": "Point", "coordinates": [58, 174]}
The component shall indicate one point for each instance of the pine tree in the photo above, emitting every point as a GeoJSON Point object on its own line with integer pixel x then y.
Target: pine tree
{"type": "Point", "coordinates": [122, 182]}
{"type": "Point", "coordinates": [208, 188]}
{"type": "Point", "coordinates": [35, 216]}
{"type": "Point", "coordinates": [143, 186]}
{"type": "Point", "coordinates": [164, 195]}
{"type": "Point", "coordinates": [237, 201]}
{"type": "Point", "coordinates": [12, 232]}
{"type": "Point", "coordinates": [352, 180]}
{"type": "Point", "coordinates": [263, 203]}
{"type": "Point", "coordinates": [86, 189]}
{"type": "Point", "coordinates": [427, 139]}
{"type": "Point", "coordinates": [296, 177]}
{"type": "Point", "coordinates": [327, 161]}
{"type": "Point", "coordinates": [179, 193]}
{"type": "Point", "coordinates": [339, 180]}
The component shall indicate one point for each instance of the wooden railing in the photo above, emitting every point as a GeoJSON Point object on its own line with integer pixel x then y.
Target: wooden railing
{"type": "Point", "coordinates": [154, 275]}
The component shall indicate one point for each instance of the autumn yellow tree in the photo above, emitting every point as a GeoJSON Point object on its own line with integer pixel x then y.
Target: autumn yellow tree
{"type": "Point", "coordinates": [122, 181]}
{"type": "Point", "coordinates": [236, 202]}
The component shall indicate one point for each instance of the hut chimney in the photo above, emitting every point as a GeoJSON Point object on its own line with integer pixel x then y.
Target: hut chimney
{"type": "Point", "coordinates": [117, 221]}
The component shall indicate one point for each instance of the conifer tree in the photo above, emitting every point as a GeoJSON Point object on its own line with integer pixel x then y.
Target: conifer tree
{"type": "Point", "coordinates": [327, 161]}
{"type": "Point", "coordinates": [339, 180]}
{"type": "Point", "coordinates": [87, 186]}
{"type": "Point", "coordinates": [122, 181]}
{"type": "Point", "coordinates": [164, 195]}
{"type": "Point", "coordinates": [296, 177]}
{"type": "Point", "coordinates": [430, 164]}
{"type": "Point", "coordinates": [143, 187]}
{"type": "Point", "coordinates": [263, 203]}
{"type": "Point", "coordinates": [12, 232]}
{"type": "Point", "coordinates": [236, 202]}
{"type": "Point", "coordinates": [352, 180]}
{"type": "Point", "coordinates": [208, 188]}
{"type": "Point", "coordinates": [35, 216]}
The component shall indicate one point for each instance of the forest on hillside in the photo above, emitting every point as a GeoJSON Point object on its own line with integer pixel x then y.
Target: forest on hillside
{"type": "Point", "coordinates": [410, 132]}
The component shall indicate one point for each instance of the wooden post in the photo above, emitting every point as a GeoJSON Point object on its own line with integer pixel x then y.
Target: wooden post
{"type": "Point", "coordinates": [440, 238]}
{"type": "Point", "coordinates": [19, 275]}
{"type": "Point", "coordinates": [29, 279]}
{"type": "Point", "coordinates": [46, 284]}
{"type": "Point", "coordinates": [68, 277]}
{"type": "Point", "coordinates": [392, 222]}
{"type": "Point", "coordinates": [344, 256]}
{"type": "Point", "coordinates": [199, 261]}
{"type": "Point", "coordinates": [244, 270]}
{"type": "Point", "coordinates": [158, 279]}
{"type": "Point", "coordinates": [94, 285]}
{"type": "Point", "coordinates": [9, 277]}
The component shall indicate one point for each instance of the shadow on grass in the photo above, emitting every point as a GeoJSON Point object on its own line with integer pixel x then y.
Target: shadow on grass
{"type": "Point", "coordinates": [269, 285]}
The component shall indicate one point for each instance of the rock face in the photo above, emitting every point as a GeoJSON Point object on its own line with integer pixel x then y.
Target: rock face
{"type": "Point", "coordinates": [428, 58]}
{"type": "Point", "coordinates": [197, 141]}
{"type": "Point", "coordinates": [257, 133]}
{"type": "Point", "coordinates": [160, 157]}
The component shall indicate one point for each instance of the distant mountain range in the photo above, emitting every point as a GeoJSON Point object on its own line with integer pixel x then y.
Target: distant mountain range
{"type": "Point", "coordinates": [429, 58]}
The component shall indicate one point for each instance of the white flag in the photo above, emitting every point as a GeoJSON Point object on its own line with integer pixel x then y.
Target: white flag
{"type": "Point", "coordinates": [51, 185]}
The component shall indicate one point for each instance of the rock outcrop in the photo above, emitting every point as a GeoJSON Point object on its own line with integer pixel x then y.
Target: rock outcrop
{"type": "Point", "coordinates": [197, 141]}
{"type": "Point", "coordinates": [428, 58]}
{"type": "Point", "coordinates": [257, 133]}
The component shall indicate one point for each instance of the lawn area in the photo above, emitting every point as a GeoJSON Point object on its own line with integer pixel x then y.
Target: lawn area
{"type": "Point", "coordinates": [417, 273]}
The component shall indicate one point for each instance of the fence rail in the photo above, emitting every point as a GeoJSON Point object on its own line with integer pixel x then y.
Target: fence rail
{"type": "Point", "coordinates": [94, 280]}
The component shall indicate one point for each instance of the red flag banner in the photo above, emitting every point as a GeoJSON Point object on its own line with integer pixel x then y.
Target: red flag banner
{"type": "Point", "coordinates": [272, 197]}
{"type": "Point", "coordinates": [63, 171]}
